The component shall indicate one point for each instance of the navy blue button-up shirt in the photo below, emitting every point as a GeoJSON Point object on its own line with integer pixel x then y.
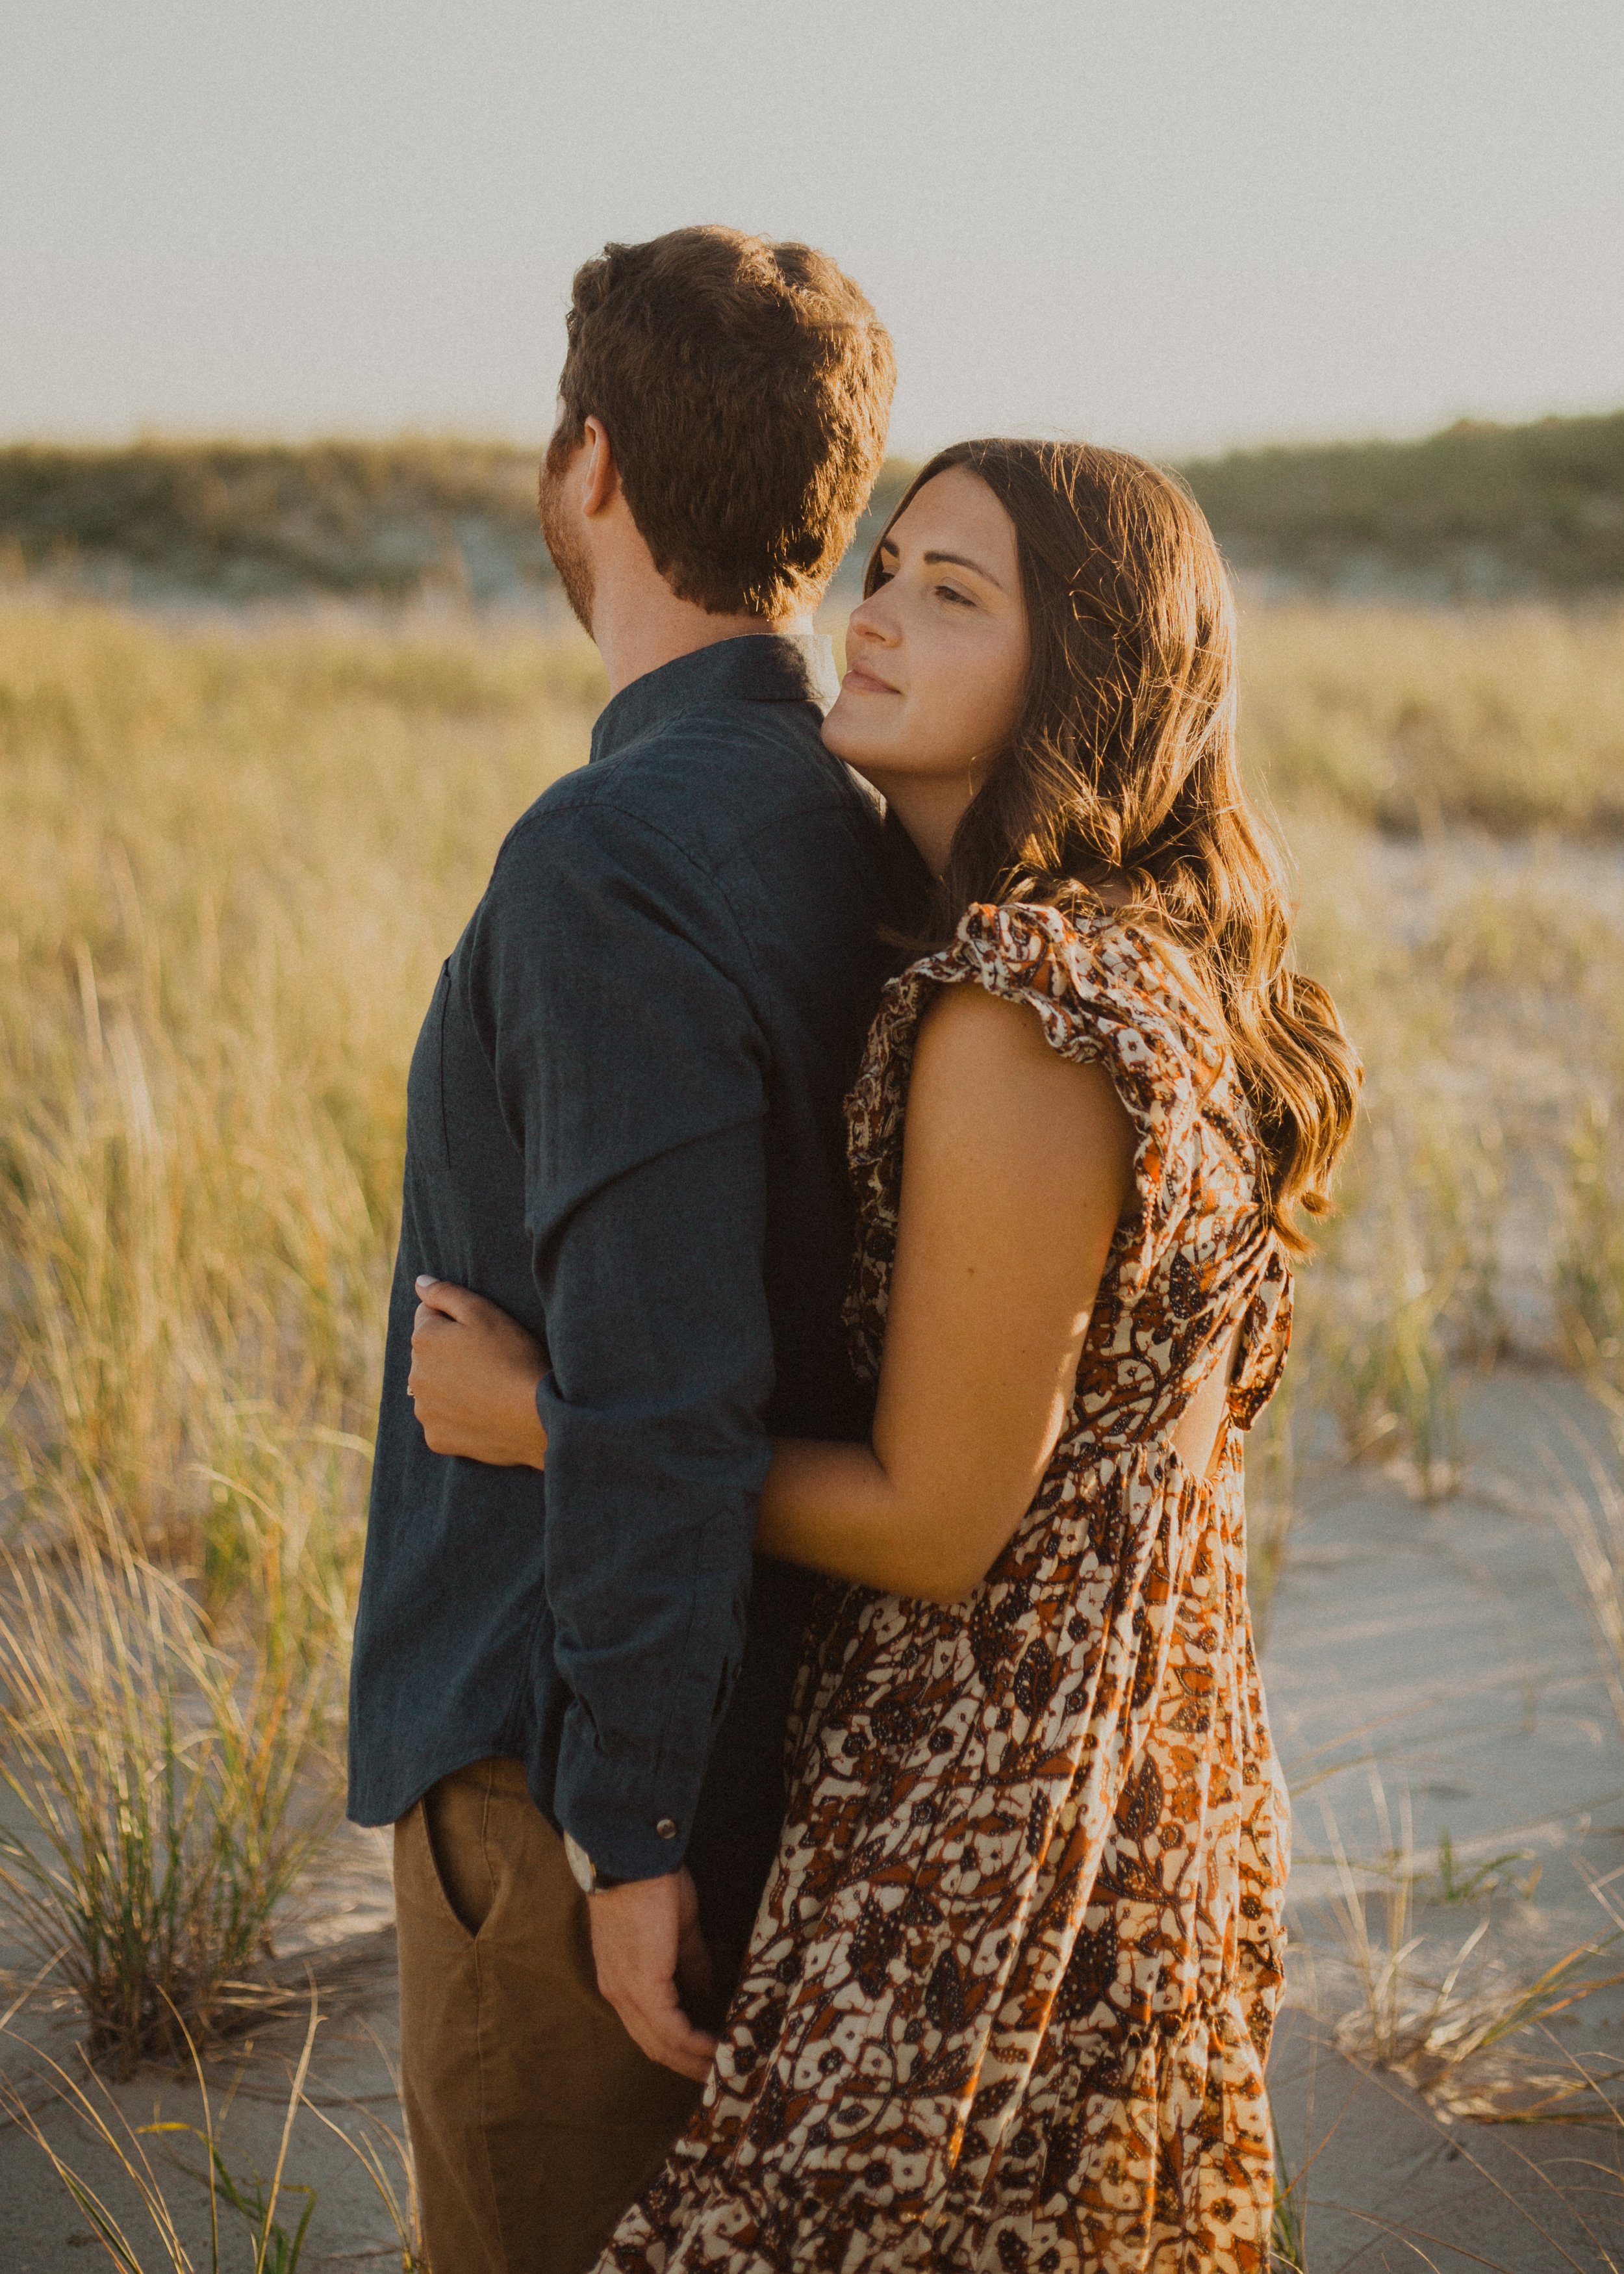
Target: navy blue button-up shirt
{"type": "Point", "coordinates": [624, 1125]}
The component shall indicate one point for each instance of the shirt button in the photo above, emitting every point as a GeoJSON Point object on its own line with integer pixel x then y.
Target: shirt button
{"type": "Point", "coordinates": [666, 1829]}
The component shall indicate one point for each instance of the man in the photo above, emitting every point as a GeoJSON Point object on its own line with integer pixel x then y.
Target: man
{"type": "Point", "coordinates": [624, 1128]}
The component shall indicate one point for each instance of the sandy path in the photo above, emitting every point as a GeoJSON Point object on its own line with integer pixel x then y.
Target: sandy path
{"type": "Point", "coordinates": [1436, 1665]}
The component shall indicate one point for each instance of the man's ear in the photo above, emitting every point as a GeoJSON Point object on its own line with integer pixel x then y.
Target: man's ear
{"type": "Point", "coordinates": [600, 478]}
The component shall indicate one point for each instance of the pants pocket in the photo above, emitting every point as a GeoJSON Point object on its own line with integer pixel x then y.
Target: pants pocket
{"type": "Point", "coordinates": [440, 1862]}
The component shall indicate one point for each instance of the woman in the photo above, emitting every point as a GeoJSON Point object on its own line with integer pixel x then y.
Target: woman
{"type": "Point", "coordinates": [1012, 1982]}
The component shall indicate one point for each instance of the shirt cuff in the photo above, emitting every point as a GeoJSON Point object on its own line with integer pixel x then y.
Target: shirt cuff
{"type": "Point", "coordinates": [629, 1832]}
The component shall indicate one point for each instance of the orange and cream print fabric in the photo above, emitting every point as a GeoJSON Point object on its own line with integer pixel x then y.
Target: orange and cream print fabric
{"type": "Point", "coordinates": [1012, 1982]}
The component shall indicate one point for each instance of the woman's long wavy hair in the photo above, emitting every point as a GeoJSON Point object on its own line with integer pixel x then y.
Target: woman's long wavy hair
{"type": "Point", "coordinates": [1121, 780]}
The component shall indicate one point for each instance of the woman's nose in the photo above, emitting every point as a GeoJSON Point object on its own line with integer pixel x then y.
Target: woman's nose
{"type": "Point", "coordinates": [870, 620]}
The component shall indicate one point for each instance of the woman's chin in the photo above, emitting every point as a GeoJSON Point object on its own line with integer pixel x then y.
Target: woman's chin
{"type": "Point", "coordinates": [843, 735]}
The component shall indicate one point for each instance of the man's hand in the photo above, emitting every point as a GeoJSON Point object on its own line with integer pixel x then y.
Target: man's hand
{"type": "Point", "coordinates": [473, 1379]}
{"type": "Point", "coordinates": [648, 1950]}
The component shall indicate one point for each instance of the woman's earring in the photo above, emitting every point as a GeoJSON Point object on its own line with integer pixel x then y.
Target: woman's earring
{"type": "Point", "coordinates": [970, 776]}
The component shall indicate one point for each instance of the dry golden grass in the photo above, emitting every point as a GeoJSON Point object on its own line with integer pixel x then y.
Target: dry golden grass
{"type": "Point", "coordinates": [234, 863]}
{"type": "Point", "coordinates": [1504, 719]}
{"type": "Point", "coordinates": [237, 855]}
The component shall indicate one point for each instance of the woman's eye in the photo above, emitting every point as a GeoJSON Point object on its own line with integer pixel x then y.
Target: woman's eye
{"type": "Point", "coordinates": [947, 592]}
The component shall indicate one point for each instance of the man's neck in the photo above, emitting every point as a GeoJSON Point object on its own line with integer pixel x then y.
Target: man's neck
{"type": "Point", "coordinates": [640, 624]}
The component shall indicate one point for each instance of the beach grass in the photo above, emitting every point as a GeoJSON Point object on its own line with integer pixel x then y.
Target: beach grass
{"type": "Point", "coordinates": [143, 2196]}
{"type": "Point", "coordinates": [163, 1774]}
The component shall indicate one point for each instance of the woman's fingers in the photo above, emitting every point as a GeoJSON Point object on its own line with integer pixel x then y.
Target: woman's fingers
{"type": "Point", "coordinates": [444, 1295]}
{"type": "Point", "coordinates": [473, 1377]}
{"type": "Point", "coordinates": [498, 1333]}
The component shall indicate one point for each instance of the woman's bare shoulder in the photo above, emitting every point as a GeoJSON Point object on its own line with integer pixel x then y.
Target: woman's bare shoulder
{"type": "Point", "coordinates": [985, 1058]}
{"type": "Point", "coordinates": [979, 1024]}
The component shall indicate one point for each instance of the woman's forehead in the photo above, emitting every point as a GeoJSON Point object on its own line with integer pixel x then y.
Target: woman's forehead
{"type": "Point", "coordinates": [955, 504]}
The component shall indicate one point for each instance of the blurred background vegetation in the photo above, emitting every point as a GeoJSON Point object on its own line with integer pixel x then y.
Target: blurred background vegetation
{"type": "Point", "coordinates": [1483, 511]}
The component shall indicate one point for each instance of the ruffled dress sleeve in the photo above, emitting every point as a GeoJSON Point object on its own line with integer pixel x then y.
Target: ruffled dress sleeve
{"type": "Point", "coordinates": [1104, 996]}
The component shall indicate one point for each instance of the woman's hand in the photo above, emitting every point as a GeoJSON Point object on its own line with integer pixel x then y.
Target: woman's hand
{"type": "Point", "coordinates": [473, 1380]}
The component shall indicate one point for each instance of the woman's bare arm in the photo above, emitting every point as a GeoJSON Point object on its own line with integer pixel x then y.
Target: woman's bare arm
{"type": "Point", "coordinates": [1016, 1166]}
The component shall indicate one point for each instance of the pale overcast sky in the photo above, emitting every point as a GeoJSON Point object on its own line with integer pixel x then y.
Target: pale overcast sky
{"type": "Point", "coordinates": [1174, 225]}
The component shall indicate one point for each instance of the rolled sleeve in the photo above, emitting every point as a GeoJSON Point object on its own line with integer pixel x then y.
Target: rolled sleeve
{"type": "Point", "coordinates": [633, 1073]}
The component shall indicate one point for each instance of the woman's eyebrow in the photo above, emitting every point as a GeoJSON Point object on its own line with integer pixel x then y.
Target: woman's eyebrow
{"type": "Point", "coordinates": [960, 561]}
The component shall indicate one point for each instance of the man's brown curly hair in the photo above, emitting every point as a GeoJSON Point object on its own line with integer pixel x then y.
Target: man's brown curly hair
{"type": "Point", "coordinates": [745, 387]}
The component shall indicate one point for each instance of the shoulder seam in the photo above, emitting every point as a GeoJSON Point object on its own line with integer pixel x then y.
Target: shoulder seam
{"type": "Point", "coordinates": [575, 814]}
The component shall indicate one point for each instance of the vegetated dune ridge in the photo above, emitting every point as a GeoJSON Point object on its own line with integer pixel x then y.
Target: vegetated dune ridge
{"type": "Point", "coordinates": [1478, 511]}
{"type": "Point", "coordinates": [242, 520]}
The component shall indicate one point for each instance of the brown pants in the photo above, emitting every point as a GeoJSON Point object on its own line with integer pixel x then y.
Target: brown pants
{"type": "Point", "coordinates": [535, 2119]}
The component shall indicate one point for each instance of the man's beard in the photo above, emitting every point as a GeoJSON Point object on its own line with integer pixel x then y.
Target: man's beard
{"type": "Point", "coordinates": [568, 553]}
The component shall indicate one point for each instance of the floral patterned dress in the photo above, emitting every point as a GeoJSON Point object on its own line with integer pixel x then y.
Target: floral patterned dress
{"type": "Point", "coordinates": [1011, 1984]}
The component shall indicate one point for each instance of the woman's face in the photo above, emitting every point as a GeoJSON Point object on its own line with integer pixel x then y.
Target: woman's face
{"type": "Point", "coordinates": [936, 655]}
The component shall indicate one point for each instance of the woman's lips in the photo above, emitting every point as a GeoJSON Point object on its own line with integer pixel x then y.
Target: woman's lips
{"type": "Point", "coordinates": [863, 681]}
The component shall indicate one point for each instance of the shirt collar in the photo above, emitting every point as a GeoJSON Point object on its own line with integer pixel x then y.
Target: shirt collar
{"type": "Point", "coordinates": [760, 667]}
